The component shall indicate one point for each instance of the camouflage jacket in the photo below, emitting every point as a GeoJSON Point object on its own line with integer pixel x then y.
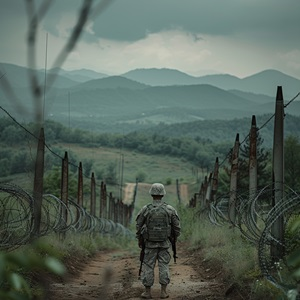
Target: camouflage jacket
{"type": "Point", "coordinates": [141, 226]}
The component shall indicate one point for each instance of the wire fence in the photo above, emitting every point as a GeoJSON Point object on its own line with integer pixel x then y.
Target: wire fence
{"type": "Point", "coordinates": [17, 218]}
{"type": "Point", "coordinates": [262, 218]}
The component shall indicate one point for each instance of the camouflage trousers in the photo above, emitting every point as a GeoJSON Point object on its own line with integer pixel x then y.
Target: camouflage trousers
{"type": "Point", "coordinates": [163, 257]}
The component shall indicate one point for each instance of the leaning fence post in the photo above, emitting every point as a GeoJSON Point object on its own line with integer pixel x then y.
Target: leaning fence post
{"type": "Point", "coordinates": [38, 183]}
{"type": "Point", "coordinates": [233, 180]}
{"type": "Point", "coordinates": [277, 250]}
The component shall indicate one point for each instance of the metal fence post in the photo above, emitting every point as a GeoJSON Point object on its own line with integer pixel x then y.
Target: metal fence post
{"type": "Point", "coordinates": [277, 230]}
{"type": "Point", "coordinates": [64, 189]}
{"type": "Point", "coordinates": [38, 183]}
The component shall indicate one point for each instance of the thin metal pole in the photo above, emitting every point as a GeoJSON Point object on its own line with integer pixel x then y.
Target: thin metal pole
{"type": "Point", "coordinates": [277, 230]}
{"type": "Point", "coordinates": [38, 183]}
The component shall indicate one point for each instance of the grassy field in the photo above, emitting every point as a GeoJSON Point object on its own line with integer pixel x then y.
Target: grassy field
{"type": "Point", "coordinates": [164, 169]}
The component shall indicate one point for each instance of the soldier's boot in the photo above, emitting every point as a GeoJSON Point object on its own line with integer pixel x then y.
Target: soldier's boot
{"type": "Point", "coordinates": [147, 293]}
{"type": "Point", "coordinates": [163, 292]}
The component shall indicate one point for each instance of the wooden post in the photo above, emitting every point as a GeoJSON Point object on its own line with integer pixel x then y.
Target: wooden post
{"type": "Point", "coordinates": [103, 201]}
{"type": "Point", "coordinates": [111, 207]}
{"type": "Point", "coordinates": [277, 230]}
{"type": "Point", "coordinates": [38, 183]}
{"type": "Point", "coordinates": [79, 191]}
{"type": "Point", "coordinates": [80, 186]}
{"type": "Point", "coordinates": [208, 190]}
{"type": "Point", "coordinates": [233, 180]}
{"type": "Point", "coordinates": [64, 189]}
{"type": "Point", "coordinates": [201, 197]}
{"type": "Point", "coordinates": [253, 161]}
{"type": "Point", "coordinates": [93, 196]}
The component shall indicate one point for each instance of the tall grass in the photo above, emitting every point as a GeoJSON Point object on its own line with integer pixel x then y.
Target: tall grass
{"type": "Point", "coordinates": [225, 247]}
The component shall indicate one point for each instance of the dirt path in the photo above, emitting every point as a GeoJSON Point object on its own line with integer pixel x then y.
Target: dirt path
{"type": "Point", "coordinates": [114, 275]}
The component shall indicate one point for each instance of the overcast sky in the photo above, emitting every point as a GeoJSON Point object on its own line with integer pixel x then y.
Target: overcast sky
{"type": "Point", "coordinates": [198, 37]}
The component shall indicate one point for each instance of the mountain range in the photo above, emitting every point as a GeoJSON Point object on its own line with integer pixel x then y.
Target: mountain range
{"type": "Point", "coordinates": [144, 98]}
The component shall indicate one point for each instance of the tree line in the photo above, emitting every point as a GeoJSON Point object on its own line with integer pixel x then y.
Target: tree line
{"type": "Point", "coordinates": [17, 150]}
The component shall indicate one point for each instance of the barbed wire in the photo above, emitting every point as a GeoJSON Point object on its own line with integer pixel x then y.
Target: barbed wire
{"type": "Point", "coordinates": [70, 163]}
{"type": "Point", "coordinates": [257, 129]}
{"type": "Point", "coordinates": [255, 216]}
{"type": "Point", "coordinates": [17, 218]}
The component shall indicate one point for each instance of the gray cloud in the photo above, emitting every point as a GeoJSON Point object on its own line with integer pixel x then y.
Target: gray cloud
{"type": "Point", "coordinates": [241, 35]}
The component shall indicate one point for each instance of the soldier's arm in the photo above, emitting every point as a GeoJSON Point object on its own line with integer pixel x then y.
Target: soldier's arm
{"type": "Point", "coordinates": [140, 220]}
{"type": "Point", "coordinates": [175, 224]}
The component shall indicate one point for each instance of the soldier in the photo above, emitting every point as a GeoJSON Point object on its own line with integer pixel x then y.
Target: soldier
{"type": "Point", "coordinates": [156, 224]}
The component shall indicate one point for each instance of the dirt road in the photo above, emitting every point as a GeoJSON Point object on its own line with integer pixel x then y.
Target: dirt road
{"type": "Point", "coordinates": [114, 275]}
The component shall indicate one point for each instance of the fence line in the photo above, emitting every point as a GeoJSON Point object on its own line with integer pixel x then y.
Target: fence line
{"type": "Point", "coordinates": [264, 215]}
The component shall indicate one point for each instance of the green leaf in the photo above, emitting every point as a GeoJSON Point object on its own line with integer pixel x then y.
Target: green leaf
{"type": "Point", "coordinates": [297, 274]}
{"type": "Point", "coordinates": [16, 281]}
{"type": "Point", "coordinates": [55, 266]}
{"type": "Point", "coordinates": [294, 258]}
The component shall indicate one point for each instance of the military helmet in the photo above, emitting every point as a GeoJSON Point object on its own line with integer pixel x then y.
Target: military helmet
{"type": "Point", "coordinates": [157, 189]}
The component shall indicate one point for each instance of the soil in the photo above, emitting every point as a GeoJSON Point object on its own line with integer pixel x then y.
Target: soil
{"type": "Point", "coordinates": [114, 275]}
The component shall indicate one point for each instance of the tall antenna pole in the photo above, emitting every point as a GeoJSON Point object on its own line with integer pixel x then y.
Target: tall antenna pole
{"type": "Point", "coordinates": [69, 109]}
{"type": "Point", "coordinates": [45, 78]}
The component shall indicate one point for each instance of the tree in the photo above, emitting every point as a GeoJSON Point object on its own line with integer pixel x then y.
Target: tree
{"type": "Point", "coordinates": [263, 160]}
{"type": "Point", "coordinates": [292, 162]}
{"type": "Point", "coordinates": [263, 174]}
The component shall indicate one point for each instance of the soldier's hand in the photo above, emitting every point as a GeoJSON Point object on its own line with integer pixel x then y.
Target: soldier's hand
{"type": "Point", "coordinates": [141, 242]}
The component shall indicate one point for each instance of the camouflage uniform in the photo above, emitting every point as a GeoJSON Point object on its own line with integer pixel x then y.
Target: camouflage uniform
{"type": "Point", "coordinates": [156, 250]}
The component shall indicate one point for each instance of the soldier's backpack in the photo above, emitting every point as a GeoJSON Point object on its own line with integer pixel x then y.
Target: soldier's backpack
{"type": "Point", "coordinates": [158, 223]}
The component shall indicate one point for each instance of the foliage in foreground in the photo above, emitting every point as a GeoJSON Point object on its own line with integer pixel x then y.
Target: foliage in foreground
{"type": "Point", "coordinates": [25, 272]}
{"type": "Point", "coordinates": [16, 266]}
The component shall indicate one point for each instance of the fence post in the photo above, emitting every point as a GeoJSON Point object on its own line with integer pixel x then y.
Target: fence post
{"type": "Point", "coordinates": [201, 201]}
{"type": "Point", "coordinates": [110, 207]}
{"type": "Point", "coordinates": [277, 250]}
{"type": "Point", "coordinates": [205, 183]}
{"type": "Point", "coordinates": [64, 189]}
{"type": "Point", "coordinates": [38, 183]}
{"type": "Point", "coordinates": [253, 161]}
{"type": "Point", "coordinates": [233, 180]}
{"type": "Point", "coordinates": [93, 196]}
{"type": "Point", "coordinates": [208, 190]}
{"type": "Point", "coordinates": [80, 186]}
{"type": "Point", "coordinates": [178, 191]}
{"type": "Point", "coordinates": [103, 201]}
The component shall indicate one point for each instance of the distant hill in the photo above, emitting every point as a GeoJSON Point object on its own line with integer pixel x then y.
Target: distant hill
{"type": "Point", "coordinates": [265, 82]}
{"type": "Point", "coordinates": [112, 82]}
{"type": "Point", "coordinates": [160, 77]}
{"type": "Point", "coordinates": [120, 104]}
{"type": "Point", "coordinates": [18, 77]}
{"type": "Point", "coordinates": [82, 75]}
